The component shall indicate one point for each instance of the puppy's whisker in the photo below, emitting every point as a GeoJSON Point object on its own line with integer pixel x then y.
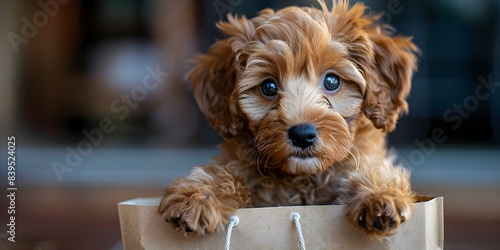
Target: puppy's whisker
{"type": "Point", "coordinates": [280, 147]}
{"type": "Point", "coordinates": [265, 163]}
{"type": "Point", "coordinates": [333, 138]}
{"type": "Point", "coordinates": [355, 157]}
{"type": "Point", "coordinates": [261, 172]}
{"type": "Point", "coordinates": [247, 149]}
{"type": "Point", "coordinates": [264, 155]}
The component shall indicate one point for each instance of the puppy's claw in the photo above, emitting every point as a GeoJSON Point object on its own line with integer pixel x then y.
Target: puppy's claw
{"type": "Point", "coordinates": [362, 221]}
{"type": "Point", "coordinates": [403, 216]}
{"type": "Point", "coordinates": [392, 222]}
{"type": "Point", "coordinates": [188, 229]}
{"type": "Point", "coordinates": [377, 224]}
{"type": "Point", "coordinates": [383, 223]}
{"type": "Point", "coordinates": [177, 222]}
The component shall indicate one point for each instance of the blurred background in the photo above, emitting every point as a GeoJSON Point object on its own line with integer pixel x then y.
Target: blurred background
{"type": "Point", "coordinates": [94, 92]}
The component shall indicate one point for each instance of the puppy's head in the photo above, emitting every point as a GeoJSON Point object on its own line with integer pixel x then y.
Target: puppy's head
{"type": "Point", "coordinates": [296, 82]}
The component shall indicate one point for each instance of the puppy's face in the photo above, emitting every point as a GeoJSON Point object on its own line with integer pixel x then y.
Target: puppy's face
{"type": "Point", "coordinates": [297, 80]}
{"type": "Point", "coordinates": [299, 93]}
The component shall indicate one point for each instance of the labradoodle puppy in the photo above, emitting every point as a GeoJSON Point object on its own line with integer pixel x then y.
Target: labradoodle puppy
{"type": "Point", "coordinates": [304, 98]}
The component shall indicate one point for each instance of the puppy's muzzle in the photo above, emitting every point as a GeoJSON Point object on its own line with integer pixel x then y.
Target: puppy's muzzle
{"type": "Point", "coordinates": [303, 136]}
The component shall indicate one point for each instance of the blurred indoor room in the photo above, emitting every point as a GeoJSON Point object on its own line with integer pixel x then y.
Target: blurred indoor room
{"type": "Point", "coordinates": [95, 93]}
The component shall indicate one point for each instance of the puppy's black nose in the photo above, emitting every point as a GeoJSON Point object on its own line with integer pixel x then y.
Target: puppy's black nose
{"type": "Point", "coordinates": [303, 135]}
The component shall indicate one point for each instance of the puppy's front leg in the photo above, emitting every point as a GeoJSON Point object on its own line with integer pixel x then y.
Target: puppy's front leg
{"type": "Point", "coordinates": [378, 198]}
{"type": "Point", "coordinates": [203, 201]}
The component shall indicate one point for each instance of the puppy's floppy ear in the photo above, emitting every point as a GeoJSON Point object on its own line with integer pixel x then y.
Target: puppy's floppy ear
{"type": "Point", "coordinates": [215, 74]}
{"type": "Point", "coordinates": [389, 76]}
{"type": "Point", "coordinates": [386, 61]}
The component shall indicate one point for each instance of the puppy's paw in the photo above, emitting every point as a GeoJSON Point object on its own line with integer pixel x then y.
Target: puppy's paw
{"type": "Point", "coordinates": [192, 207]}
{"type": "Point", "coordinates": [379, 213]}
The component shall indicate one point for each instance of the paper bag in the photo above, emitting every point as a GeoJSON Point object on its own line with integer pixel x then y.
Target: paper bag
{"type": "Point", "coordinates": [323, 227]}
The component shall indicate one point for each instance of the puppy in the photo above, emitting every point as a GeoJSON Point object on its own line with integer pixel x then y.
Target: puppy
{"type": "Point", "coordinates": [304, 98]}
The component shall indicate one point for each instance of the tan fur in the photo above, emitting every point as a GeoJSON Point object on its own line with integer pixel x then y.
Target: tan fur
{"type": "Point", "coordinates": [259, 166]}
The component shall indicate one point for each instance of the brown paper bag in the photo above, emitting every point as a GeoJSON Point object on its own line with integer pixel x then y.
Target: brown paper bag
{"type": "Point", "coordinates": [323, 227]}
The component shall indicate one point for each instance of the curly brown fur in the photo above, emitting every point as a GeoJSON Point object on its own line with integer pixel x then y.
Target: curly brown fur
{"type": "Point", "coordinates": [304, 143]}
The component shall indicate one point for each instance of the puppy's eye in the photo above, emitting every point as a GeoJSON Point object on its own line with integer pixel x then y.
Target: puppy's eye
{"type": "Point", "coordinates": [269, 88]}
{"type": "Point", "coordinates": [331, 82]}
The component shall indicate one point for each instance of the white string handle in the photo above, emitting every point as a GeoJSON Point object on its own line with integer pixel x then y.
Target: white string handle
{"type": "Point", "coordinates": [233, 221]}
{"type": "Point", "coordinates": [295, 217]}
